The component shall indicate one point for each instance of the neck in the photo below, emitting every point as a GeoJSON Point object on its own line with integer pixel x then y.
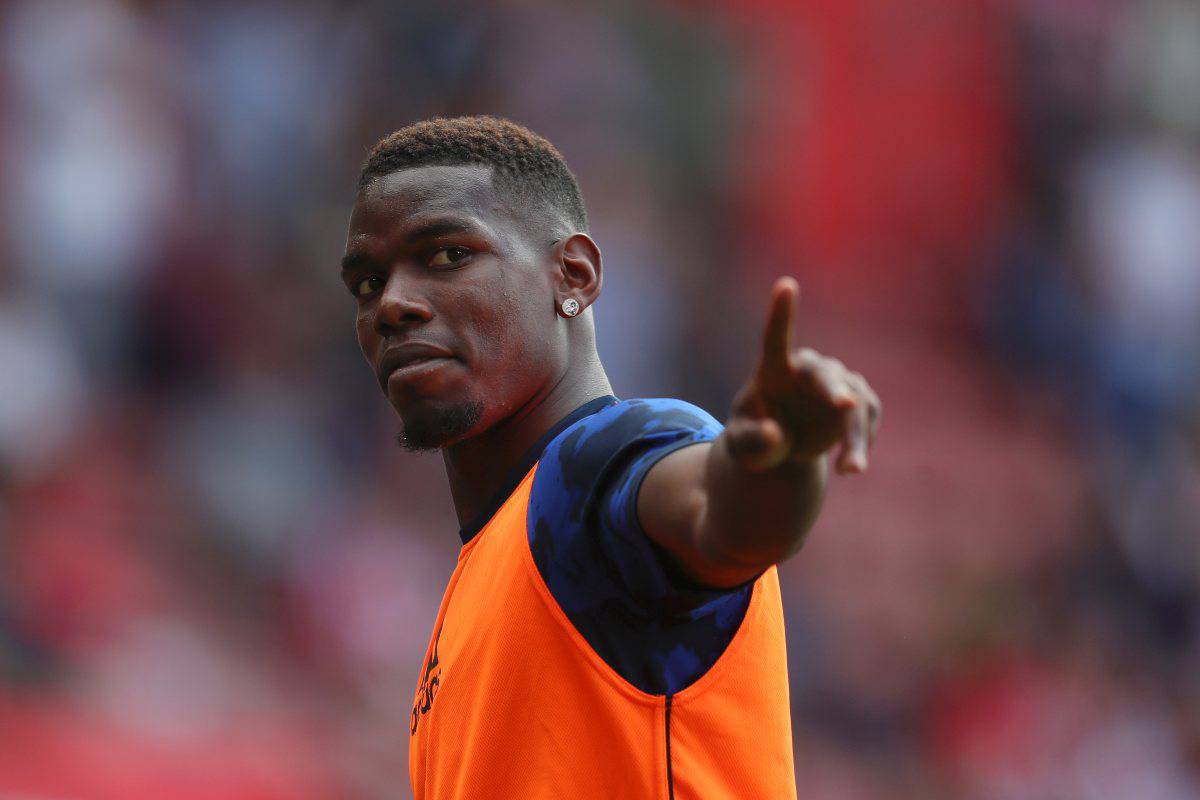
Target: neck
{"type": "Point", "coordinates": [478, 467]}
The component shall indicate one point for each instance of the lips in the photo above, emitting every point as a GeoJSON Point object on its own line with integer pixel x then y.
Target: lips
{"type": "Point", "coordinates": [409, 355]}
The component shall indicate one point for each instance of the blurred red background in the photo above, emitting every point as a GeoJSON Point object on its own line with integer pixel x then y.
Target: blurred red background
{"type": "Point", "coordinates": [217, 573]}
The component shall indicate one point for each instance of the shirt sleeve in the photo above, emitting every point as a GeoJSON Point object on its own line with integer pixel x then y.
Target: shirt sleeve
{"type": "Point", "coordinates": [658, 630]}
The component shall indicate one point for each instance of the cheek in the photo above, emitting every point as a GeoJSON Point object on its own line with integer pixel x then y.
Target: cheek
{"type": "Point", "coordinates": [364, 329]}
{"type": "Point", "coordinates": [513, 337]}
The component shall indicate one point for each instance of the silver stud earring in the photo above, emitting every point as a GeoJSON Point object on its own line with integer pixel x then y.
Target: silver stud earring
{"type": "Point", "coordinates": [570, 307]}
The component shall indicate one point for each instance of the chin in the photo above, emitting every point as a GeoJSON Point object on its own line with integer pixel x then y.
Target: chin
{"type": "Point", "coordinates": [434, 426]}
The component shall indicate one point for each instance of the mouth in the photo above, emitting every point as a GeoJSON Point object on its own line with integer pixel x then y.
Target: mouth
{"type": "Point", "coordinates": [417, 368]}
{"type": "Point", "coordinates": [412, 360]}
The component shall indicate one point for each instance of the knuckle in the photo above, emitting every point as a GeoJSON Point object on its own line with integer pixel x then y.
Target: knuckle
{"type": "Point", "coordinates": [807, 354]}
{"type": "Point", "coordinates": [805, 363]}
{"type": "Point", "coordinates": [829, 366]}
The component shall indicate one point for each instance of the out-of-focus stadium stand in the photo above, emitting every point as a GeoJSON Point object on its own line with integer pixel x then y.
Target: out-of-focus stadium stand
{"type": "Point", "coordinates": [218, 574]}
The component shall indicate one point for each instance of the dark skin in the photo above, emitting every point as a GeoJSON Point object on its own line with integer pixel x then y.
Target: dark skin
{"type": "Point", "coordinates": [459, 287]}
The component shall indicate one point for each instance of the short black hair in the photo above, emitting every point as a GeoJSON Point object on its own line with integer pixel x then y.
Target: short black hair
{"type": "Point", "coordinates": [522, 162]}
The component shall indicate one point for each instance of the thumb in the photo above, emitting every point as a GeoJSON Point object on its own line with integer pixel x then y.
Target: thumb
{"type": "Point", "coordinates": [756, 444]}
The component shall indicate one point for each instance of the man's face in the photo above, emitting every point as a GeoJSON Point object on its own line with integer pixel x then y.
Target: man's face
{"type": "Point", "coordinates": [455, 294]}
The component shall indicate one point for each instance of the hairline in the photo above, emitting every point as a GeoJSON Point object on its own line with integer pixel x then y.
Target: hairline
{"type": "Point", "coordinates": [554, 220]}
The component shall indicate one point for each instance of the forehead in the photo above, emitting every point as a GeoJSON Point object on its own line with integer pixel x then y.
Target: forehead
{"type": "Point", "coordinates": [390, 201]}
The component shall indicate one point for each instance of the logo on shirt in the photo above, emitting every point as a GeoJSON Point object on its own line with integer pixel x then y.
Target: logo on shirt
{"type": "Point", "coordinates": [427, 691]}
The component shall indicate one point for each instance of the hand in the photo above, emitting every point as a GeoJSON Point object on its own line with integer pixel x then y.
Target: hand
{"type": "Point", "coordinates": [799, 404]}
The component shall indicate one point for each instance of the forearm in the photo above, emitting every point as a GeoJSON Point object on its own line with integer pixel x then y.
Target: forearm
{"type": "Point", "coordinates": [753, 519]}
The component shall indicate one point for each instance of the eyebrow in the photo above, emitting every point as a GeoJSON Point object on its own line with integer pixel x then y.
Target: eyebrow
{"type": "Point", "coordinates": [438, 227]}
{"type": "Point", "coordinates": [352, 260]}
{"type": "Point", "coordinates": [428, 230]}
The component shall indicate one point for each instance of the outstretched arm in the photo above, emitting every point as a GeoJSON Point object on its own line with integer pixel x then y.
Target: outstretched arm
{"type": "Point", "coordinates": [728, 510]}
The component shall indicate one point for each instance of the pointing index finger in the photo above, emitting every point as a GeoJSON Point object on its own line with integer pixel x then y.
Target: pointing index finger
{"type": "Point", "coordinates": [777, 341]}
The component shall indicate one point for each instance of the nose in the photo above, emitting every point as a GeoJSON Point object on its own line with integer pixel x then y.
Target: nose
{"type": "Point", "coordinates": [400, 306]}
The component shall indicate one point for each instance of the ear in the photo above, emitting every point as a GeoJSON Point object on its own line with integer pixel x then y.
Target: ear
{"type": "Point", "coordinates": [579, 259]}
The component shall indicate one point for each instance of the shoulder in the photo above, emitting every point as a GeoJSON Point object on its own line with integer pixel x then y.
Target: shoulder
{"type": "Point", "coordinates": [590, 443]}
{"type": "Point", "coordinates": [648, 415]}
{"type": "Point", "coordinates": [602, 447]}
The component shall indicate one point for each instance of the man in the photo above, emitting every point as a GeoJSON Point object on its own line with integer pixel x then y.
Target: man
{"type": "Point", "coordinates": [613, 628]}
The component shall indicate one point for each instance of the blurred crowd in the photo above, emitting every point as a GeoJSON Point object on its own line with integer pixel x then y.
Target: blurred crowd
{"type": "Point", "coordinates": [217, 572]}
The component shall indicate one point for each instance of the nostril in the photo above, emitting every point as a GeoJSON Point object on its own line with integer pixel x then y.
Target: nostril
{"type": "Point", "coordinates": [398, 309]}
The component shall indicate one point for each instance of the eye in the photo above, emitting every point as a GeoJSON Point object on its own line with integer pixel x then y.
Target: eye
{"type": "Point", "coordinates": [364, 287]}
{"type": "Point", "coordinates": [449, 256]}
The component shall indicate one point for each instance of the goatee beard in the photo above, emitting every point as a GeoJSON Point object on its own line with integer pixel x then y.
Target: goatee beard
{"type": "Point", "coordinates": [439, 428]}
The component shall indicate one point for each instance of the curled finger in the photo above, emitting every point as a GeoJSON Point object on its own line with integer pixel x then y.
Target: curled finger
{"type": "Point", "coordinates": [855, 440]}
{"type": "Point", "coordinates": [872, 402]}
